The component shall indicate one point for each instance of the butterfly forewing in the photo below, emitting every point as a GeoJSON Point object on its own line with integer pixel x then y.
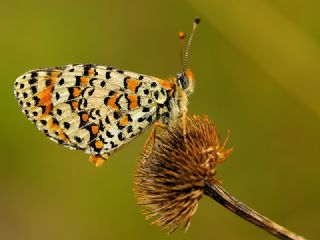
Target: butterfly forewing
{"type": "Point", "coordinates": [94, 108]}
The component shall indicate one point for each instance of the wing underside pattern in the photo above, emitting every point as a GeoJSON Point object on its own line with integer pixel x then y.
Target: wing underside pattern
{"type": "Point", "coordinates": [94, 108]}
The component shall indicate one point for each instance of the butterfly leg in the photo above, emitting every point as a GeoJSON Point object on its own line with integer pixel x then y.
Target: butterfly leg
{"type": "Point", "coordinates": [99, 160]}
{"type": "Point", "coordinates": [184, 116]}
{"type": "Point", "coordinates": [153, 134]}
{"type": "Point", "coordinates": [184, 125]}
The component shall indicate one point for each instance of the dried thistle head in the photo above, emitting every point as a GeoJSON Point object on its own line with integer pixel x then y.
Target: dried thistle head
{"type": "Point", "coordinates": [171, 174]}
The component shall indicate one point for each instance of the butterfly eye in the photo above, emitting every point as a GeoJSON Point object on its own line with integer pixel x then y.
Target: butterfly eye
{"type": "Point", "coordinates": [183, 81]}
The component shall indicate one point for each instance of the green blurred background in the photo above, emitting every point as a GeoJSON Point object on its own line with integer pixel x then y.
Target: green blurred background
{"type": "Point", "coordinates": [257, 69]}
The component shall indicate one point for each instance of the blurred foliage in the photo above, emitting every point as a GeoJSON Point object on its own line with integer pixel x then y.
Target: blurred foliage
{"type": "Point", "coordinates": [257, 68]}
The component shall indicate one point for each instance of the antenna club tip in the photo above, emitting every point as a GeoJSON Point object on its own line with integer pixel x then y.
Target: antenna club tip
{"type": "Point", "coordinates": [182, 35]}
{"type": "Point", "coordinates": [197, 20]}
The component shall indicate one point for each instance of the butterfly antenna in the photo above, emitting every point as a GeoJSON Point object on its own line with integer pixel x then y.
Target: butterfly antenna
{"type": "Point", "coordinates": [195, 24]}
{"type": "Point", "coordinates": [182, 37]}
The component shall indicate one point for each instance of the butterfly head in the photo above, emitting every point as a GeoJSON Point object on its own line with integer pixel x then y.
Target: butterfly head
{"type": "Point", "coordinates": [186, 81]}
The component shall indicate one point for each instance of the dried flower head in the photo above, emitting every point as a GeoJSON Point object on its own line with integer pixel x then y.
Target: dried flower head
{"type": "Point", "coordinates": [172, 173]}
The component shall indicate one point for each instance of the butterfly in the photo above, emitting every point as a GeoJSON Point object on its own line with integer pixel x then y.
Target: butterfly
{"type": "Point", "coordinates": [98, 108]}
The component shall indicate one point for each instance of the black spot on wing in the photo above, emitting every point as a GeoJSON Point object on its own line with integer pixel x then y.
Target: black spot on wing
{"type": "Point", "coordinates": [116, 115]}
{"type": "Point", "coordinates": [77, 139]}
{"type": "Point", "coordinates": [125, 82]}
{"type": "Point", "coordinates": [59, 112]}
{"type": "Point", "coordinates": [43, 109]}
{"type": "Point", "coordinates": [34, 89]}
{"type": "Point", "coordinates": [43, 122]}
{"type": "Point", "coordinates": [36, 100]}
{"type": "Point", "coordinates": [102, 84]}
{"type": "Point", "coordinates": [91, 92]}
{"type": "Point", "coordinates": [120, 136]}
{"type": "Point", "coordinates": [130, 129]}
{"type": "Point", "coordinates": [113, 145]}
{"type": "Point", "coordinates": [91, 82]}
{"type": "Point", "coordinates": [33, 80]}
{"type": "Point", "coordinates": [141, 119]}
{"type": "Point", "coordinates": [34, 74]}
{"type": "Point", "coordinates": [86, 69]}
{"type": "Point", "coordinates": [58, 96]}
{"type": "Point", "coordinates": [156, 95]}
{"type": "Point", "coordinates": [145, 109]}
{"type": "Point", "coordinates": [48, 82]}
{"type": "Point", "coordinates": [108, 76]}
{"type": "Point", "coordinates": [66, 125]}
{"type": "Point", "coordinates": [109, 134]}
{"type": "Point", "coordinates": [78, 80]}
{"type": "Point", "coordinates": [61, 81]}
{"type": "Point", "coordinates": [150, 119]}
{"type": "Point", "coordinates": [107, 120]}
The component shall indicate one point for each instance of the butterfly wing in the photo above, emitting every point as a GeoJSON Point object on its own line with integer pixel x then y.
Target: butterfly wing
{"type": "Point", "coordinates": [94, 108]}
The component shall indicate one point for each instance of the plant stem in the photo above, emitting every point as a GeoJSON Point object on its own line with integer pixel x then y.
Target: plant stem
{"type": "Point", "coordinates": [217, 193]}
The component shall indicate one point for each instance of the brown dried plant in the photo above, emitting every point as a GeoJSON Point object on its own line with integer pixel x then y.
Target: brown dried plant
{"type": "Point", "coordinates": [171, 175]}
{"type": "Point", "coordinates": [176, 170]}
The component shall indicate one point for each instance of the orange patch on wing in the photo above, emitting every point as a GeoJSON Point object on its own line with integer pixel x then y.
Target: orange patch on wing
{"type": "Point", "coordinates": [133, 101]}
{"type": "Point", "coordinates": [76, 92]}
{"type": "Point", "coordinates": [46, 95]}
{"type": "Point", "coordinates": [55, 74]}
{"type": "Point", "coordinates": [74, 105]}
{"type": "Point", "coordinates": [97, 160]}
{"type": "Point", "coordinates": [98, 144]}
{"type": "Point", "coordinates": [112, 102]}
{"type": "Point", "coordinates": [85, 117]}
{"type": "Point", "coordinates": [91, 72]}
{"type": "Point", "coordinates": [124, 120]}
{"type": "Point", "coordinates": [54, 127]}
{"type": "Point", "coordinates": [132, 84]}
{"type": "Point", "coordinates": [95, 129]}
{"type": "Point", "coordinates": [166, 84]}
{"type": "Point", "coordinates": [84, 80]}
{"type": "Point", "coordinates": [63, 136]}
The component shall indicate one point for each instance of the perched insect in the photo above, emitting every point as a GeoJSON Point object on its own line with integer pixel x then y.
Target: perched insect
{"type": "Point", "coordinates": [97, 108]}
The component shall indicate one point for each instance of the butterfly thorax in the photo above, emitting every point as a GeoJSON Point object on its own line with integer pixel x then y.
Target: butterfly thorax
{"type": "Point", "coordinates": [170, 109]}
{"type": "Point", "coordinates": [171, 96]}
